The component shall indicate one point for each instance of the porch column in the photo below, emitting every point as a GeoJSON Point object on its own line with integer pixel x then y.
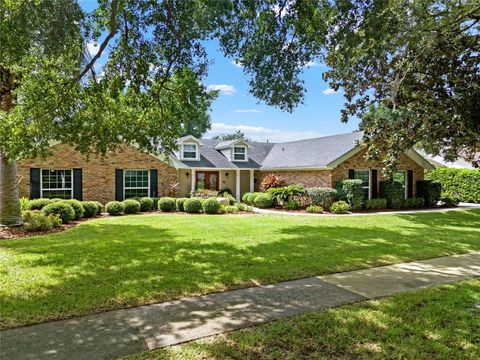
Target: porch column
{"type": "Point", "coordinates": [252, 181]}
{"type": "Point", "coordinates": [193, 175]}
{"type": "Point", "coordinates": [237, 184]}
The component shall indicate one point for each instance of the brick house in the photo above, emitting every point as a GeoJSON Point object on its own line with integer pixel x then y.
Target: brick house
{"type": "Point", "coordinates": [238, 165]}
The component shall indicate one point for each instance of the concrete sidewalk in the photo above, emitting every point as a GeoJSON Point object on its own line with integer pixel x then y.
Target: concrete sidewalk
{"type": "Point", "coordinates": [122, 332]}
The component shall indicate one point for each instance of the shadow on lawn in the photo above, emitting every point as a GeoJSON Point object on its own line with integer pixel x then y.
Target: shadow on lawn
{"type": "Point", "coordinates": [141, 264]}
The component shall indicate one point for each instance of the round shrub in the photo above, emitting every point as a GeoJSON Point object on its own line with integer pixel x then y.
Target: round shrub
{"type": "Point", "coordinates": [39, 204]}
{"type": "Point", "coordinates": [323, 197]}
{"type": "Point", "coordinates": [57, 199]}
{"type": "Point", "coordinates": [180, 204]}
{"type": "Point", "coordinates": [211, 206]}
{"type": "Point", "coordinates": [155, 202]}
{"type": "Point", "coordinates": [314, 209]}
{"type": "Point", "coordinates": [146, 204]}
{"type": "Point", "coordinates": [193, 205]}
{"type": "Point", "coordinates": [77, 207]}
{"type": "Point", "coordinates": [131, 206]}
{"type": "Point", "coordinates": [340, 207]}
{"type": "Point", "coordinates": [263, 201]}
{"type": "Point", "coordinates": [61, 208]}
{"type": "Point", "coordinates": [245, 197]}
{"type": "Point", "coordinates": [166, 204]}
{"type": "Point", "coordinates": [114, 208]}
{"type": "Point", "coordinates": [90, 208]}
{"type": "Point", "coordinates": [99, 207]}
{"type": "Point", "coordinates": [251, 198]}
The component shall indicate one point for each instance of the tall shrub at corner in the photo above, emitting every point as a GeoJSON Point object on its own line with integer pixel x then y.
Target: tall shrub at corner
{"type": "Point", "coordinates": [394, 193]}
{"type": "Point", "coordinates": [351, 191]}
{"type": "Point", "coordinates": [461, 183]}
{"type": "Point", "coordinates": [430, 191]}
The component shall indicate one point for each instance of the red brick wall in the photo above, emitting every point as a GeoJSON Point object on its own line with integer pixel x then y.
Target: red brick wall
{"type": "Point", "coordinates": [98, 175]}
{"type": "Point", "coordinates": [358, 161]}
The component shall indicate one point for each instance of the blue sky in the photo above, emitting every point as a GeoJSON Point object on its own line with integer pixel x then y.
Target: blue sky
{"type": "Point", "coordinates": [236, 109]}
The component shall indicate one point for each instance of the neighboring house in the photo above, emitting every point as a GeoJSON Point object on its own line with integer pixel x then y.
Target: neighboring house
{"type": "Point", "coordinates": [459, 163]}
{"type": "Point", "coordinates": [238, 165]}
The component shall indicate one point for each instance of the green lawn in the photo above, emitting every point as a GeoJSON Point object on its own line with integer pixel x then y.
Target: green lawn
{"type": "Point", "coordinates": [436, 323]}
{"type": "Point", "coordinates": [117, 262]}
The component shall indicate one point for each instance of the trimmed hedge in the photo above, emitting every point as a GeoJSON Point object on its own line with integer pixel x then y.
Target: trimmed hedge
{"type": "Point", "coordinates": [90, 209]}
{"type": "Point", "coordinates": [77, 207]}
{"type": "Point", "coordinates": [340, 207]}
{"type": "Point", "coordinates": [245, 197]}
{"type": "Point", "coordinates": [430, 191]}
{"type": "Point", "coordinates": [373, 204]}
{"type": "Point", "coordinates": [193, 205]}
{"type": "Point", "coordinates": [39, 204]}
{"type": "Point", "coordinates": [211, 206]}
{"type": "Point", "coordinates": [146, 204]}
{"type": "Point", "coordinates": [61, 208]}
{"type": "Point", "coordinates": [461, 183]}
{"type": "Point", "coordinates": [414, 203]}
{"type": "Point", "coordinates": [166, 204]}
{"type": "Point", "coordinates": [264, 201]}
{"type": "Point", "coordinates": [114, 208]}
{"type": "Point", "coordinates": [251, 198]}
{"type": "Point", "coordinates": [321, 196]}
{"type": "Point", "coordinates": [394, 192]}
{"type": "Point", "coordinates": [450, 201]}
{"type": "Point", "coordinates": [99, 207]}
{"type": "Point", "coordinates": [350, 191]}
{"type": "Point", "coordinates": [132, 206]}
{"type": "Point", "coordinates": [180, 204]}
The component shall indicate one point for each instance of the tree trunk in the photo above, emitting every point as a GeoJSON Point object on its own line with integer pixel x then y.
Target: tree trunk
{"type": "Point", "coordinates": [9, 202]}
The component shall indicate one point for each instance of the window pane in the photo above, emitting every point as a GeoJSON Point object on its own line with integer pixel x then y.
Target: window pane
{"type": "Point", "coordinates": [363, 175]}
{"type": "Point", "coordinates": [240, 150]}
{"type": "Point", "coordinates": [136, 183]}
{"type": "Point", "coordinates": [129, 193]}
{"type": "Point", "coordinates": [57, 183]}
{"type": "Point", "coordinates": [189, 155]}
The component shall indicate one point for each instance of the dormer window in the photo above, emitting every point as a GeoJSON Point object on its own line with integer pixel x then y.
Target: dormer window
{"type": "Point", "coordinates": [239, 153]}
{"type": "Point", "coordinates": [190, 151]}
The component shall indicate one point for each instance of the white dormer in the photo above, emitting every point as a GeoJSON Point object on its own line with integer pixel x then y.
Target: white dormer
{"type": "Point", "coordinates": [189, 148]}
{"type": "Point", "coordinates": [234, 150]}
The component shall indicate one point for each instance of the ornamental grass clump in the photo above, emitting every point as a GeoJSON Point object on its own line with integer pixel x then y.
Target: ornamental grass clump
{"type": "Point", "coordinates": [115, 208]}
{"type": "Point", "coordinates": [131, 206]}
{"type": "Point", "coordinates": [166, 204]}
{"type": "Point", "coordinates": [61, 208]}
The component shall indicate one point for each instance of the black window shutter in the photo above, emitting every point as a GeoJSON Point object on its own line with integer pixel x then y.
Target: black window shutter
{"type": "Point", "coordinates": [374, 183]}
{"type": "Point", "coordinates": [410, 183]}
{"type": "Point", "coordinates": [34, 183]}
{"type": "Point", "coordinates": [119, 184]}
{"type": "Point", "coordinates": [77, 184]}
{"type": "Point", "coordinates": [153, 183]}
{"type": "Point", "coordinates": [351, 174]}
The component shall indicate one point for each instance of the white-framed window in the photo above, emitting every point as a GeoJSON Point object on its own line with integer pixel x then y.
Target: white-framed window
{"type": "Point", "coordinates": [190, 151]}
{"type": "Point", "coordinates": [136, 182]}
{"type": "Point", "coordinates": [364, 175]}
{"type": "Point", "coordinates": [239, 153]}
{"type": "Point", "coordinates": [401, 176]}
{"type": "Point", "coordinates": [56, 183]}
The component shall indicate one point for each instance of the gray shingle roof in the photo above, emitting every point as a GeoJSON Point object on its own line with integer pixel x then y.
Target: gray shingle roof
{"type": "Point", "coordinates": [317, 152]}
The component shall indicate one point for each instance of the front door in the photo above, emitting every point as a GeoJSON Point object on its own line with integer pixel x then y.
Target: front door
{"type": "Point", "coordinates": [207, 180]}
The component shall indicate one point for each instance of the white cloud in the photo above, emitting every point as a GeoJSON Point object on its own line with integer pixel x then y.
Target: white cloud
{"type": "Point", "coordinates": [259, 133]}
{"type": "Point", "coordinates": [92, 48]}
{"type": "Point", "coordinates": [329, 91]}
{"type": "Point", "coordinates": [247, 111]}
{"type": "Point", "coordinates": [223, 88]}
{"type": "Point", "coordinates": [237, 63]}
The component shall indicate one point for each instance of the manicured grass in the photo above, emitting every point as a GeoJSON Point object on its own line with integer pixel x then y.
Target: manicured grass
{"type": "Point", "coordinates": [118, 262]}
{"type": "Point", "coordinates": [436, 323]}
